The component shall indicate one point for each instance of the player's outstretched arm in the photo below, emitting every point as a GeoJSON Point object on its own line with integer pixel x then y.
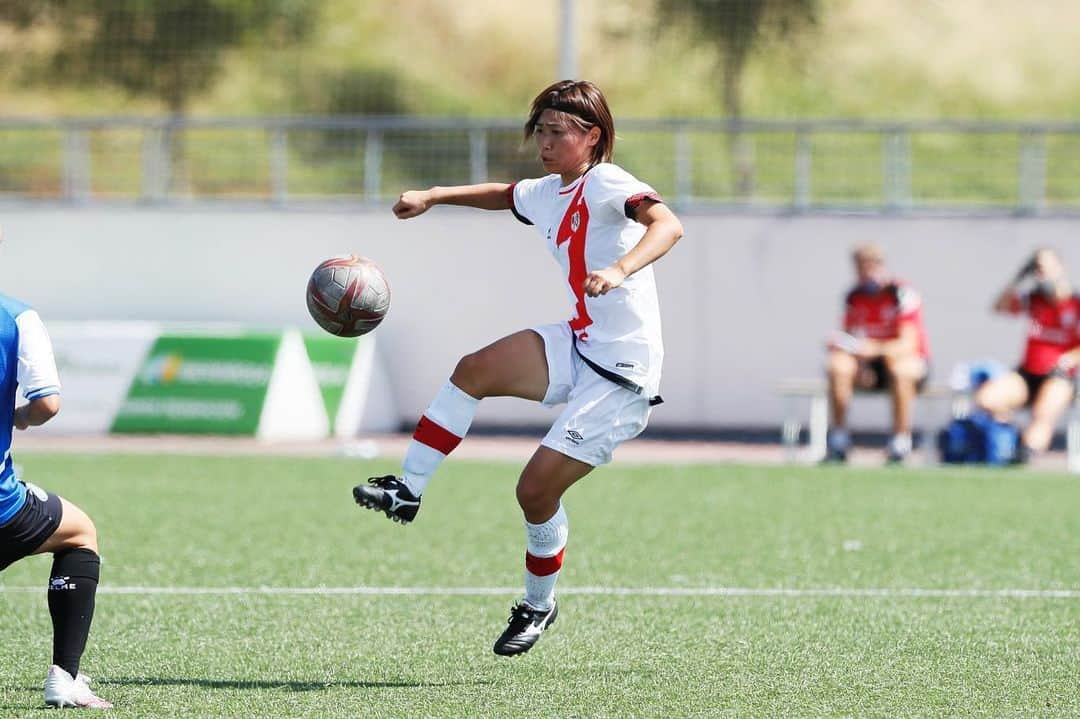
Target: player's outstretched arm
{"type": "Point", "coordinates": [1008, 300]}
{"type": "Point", "coordinates": [486, 196]}
{"type": "Point", "coordinates": [664, 230]}
{"type": "Point", "coordinates": [37, 412]}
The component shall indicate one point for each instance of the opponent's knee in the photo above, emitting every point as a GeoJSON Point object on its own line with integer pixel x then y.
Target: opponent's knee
{"type": "Point", "coordinates": [85, 537]}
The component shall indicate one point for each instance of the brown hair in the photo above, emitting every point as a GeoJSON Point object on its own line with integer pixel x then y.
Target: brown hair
{"type": "Point", "coordinates": [587, 108]}
{"type": "Point", "coordinates": [868, 251]}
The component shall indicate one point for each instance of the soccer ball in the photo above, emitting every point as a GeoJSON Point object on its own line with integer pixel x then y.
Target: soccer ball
{"type": "Point", "coordinates": [348, 295]}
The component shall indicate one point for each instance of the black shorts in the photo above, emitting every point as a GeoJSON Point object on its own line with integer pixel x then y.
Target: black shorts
{"type": "Point", "coordinates": [30, 527]}
{"type": "Point", "coordinates": [1035, 382]}
{"type": "Point", "coordinates": [881, 376]}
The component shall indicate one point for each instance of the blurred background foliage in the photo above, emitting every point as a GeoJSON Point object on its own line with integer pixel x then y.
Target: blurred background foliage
{"type": "Point", "coordinates": [695, 58]}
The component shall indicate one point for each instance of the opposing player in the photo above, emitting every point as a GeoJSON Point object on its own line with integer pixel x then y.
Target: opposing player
{"type": "Point", "coordinates": [33, 521]}
{"type": "Point", "coordinates": [1045, 379]}
{"type": "Point", "coordinates": [883, 347]}
{"type": "Point", "coordinates": [605, 228]}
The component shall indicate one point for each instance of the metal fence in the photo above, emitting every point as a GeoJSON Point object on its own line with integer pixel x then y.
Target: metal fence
{"type": "Point", "coordinates": [772, 166]}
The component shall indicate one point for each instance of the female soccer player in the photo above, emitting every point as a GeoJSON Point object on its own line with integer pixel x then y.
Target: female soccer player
{"type": "Point", "coordinates": [605, 228]}
{"type": "Point", "coordinates": [33, 521]}
{"type": "Point", "coordinates": [1046, 377]}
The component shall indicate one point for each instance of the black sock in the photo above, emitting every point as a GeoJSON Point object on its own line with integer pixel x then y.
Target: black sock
{"type": "Point", "coordinates": [72, 587]}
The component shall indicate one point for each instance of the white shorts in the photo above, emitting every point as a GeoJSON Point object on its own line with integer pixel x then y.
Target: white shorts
{"type": "Point", "coordinates": [599, 416]}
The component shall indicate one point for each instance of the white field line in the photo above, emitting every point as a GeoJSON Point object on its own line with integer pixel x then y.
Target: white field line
{"type": "Point", "coordinates": [883, 592]}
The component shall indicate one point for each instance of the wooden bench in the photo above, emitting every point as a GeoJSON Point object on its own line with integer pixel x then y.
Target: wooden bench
{"type": "Point", "coordinates": [817, 391]}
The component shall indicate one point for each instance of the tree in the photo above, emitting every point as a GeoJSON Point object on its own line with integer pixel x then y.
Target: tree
{"type": "Point", "coordinates": [736, 26]}
{"type": "Point", "coordinates": [167, 49]}
{"type": "Point", "coordinates": [170, 50]}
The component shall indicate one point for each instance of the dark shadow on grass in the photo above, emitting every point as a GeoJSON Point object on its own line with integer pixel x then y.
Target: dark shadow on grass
{"type": "Point", "coordinates": [270, 684]}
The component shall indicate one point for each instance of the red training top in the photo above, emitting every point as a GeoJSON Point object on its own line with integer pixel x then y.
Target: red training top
{"type": "Point", "coordinates": [878, 314]}
{"type": "Point", "coordinates": [1054, 329]}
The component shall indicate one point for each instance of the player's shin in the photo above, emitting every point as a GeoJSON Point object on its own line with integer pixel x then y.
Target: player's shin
{"type": "Point", "coordinates": [543, 559]}
{"type": "Point", "coordinates": [438, 433]}
{"type": "Point", "coordinates": [72, 589]}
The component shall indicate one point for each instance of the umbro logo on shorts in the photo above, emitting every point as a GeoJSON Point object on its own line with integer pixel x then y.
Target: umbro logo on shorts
{"type": "Point", "coordinates": [574, 436]}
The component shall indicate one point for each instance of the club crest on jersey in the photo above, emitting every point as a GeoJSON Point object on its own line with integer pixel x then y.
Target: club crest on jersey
{"type": "Point", "coordinates": [575, 221]}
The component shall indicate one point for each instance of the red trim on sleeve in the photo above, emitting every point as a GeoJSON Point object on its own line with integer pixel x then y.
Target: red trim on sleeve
{"type": "Point", "coordinates": [434, 436]}
{"type": "Point", "coordinates": [544, 566]}
{"type": "Point", "coordinates": [633, 202]}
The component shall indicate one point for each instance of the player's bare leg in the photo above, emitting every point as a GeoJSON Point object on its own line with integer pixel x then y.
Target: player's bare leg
{"type": "Point", "coordinates": [72, 592]}
{"type": "Point", "coordinates": [841, 368]}
{"type": "Point", "coordinates": [1002, 395]}
{"type": "Point", "coordinates": [514, 366]}
{"type": "Point", "coordinates": [1053, 399]}
{"type": "Point", "coordinates": [543, 482]}
{"type": "Point", "coordinates": [76, 531]}
{"type": "Point", "coordinates": [904, 375]}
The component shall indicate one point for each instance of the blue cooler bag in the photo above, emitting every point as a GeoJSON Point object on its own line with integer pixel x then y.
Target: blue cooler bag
{"type": "Point", "coordinates": [978, 439]}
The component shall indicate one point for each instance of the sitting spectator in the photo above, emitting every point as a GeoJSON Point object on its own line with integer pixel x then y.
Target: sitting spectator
{"type": "Point", "coordinates": [1045, 379]}
{"type": "Point", "coordinates": [883, 347]}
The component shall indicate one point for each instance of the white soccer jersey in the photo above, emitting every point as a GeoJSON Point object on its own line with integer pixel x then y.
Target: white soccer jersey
{"type": "Point", "coordinates": [587, 228]}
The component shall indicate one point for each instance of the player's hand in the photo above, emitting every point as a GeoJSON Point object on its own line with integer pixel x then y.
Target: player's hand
{"type": "Point", "coordinates": [603, 281]}
{"type": "Point", "coordinates": [843, 342]}
{"type": "Point", "coordinates": [412, 203]}
{"type": "Point", "coordinates": [1066, 364]}
{"type": "Point", "coordinates": [866, 350]}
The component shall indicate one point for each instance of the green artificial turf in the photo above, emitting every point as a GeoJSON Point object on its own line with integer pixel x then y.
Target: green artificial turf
{"type": "Point", "coordinates": [228, 526]}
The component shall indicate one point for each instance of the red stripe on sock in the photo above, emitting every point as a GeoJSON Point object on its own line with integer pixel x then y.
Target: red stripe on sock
{"type": "Point", "coordinates": [543, 566]}
{"type": "Point", "coordinates": [436, 437]}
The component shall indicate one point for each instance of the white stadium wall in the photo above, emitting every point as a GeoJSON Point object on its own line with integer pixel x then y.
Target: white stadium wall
{"type": "Point", "coordinates": [746, 300]}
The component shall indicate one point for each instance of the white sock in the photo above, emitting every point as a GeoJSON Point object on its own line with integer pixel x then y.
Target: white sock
{"type": "Point", "coordinates": [901, 443]}
{"type": "Point", "coordinates": [438, 432]}
{"type": "Point", "coordinates": [543, 559]}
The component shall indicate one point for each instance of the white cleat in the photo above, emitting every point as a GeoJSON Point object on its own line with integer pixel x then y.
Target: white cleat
{"type": "Point", "coordinates": [63, 691]}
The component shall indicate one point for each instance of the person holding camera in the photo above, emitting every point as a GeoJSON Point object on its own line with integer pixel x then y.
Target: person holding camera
{"type": "Point", "coordinates": [1045, 380]}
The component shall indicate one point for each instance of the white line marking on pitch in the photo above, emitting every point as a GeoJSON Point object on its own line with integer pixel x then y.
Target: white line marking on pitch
{"type": "Point", "coordinates": [594, 591]}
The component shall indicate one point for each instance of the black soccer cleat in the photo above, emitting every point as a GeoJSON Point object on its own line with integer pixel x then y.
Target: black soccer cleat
{"type": "Point", "coordinates": [526, 624]}
{"type": "Point", "coordinates": [390, 496]}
